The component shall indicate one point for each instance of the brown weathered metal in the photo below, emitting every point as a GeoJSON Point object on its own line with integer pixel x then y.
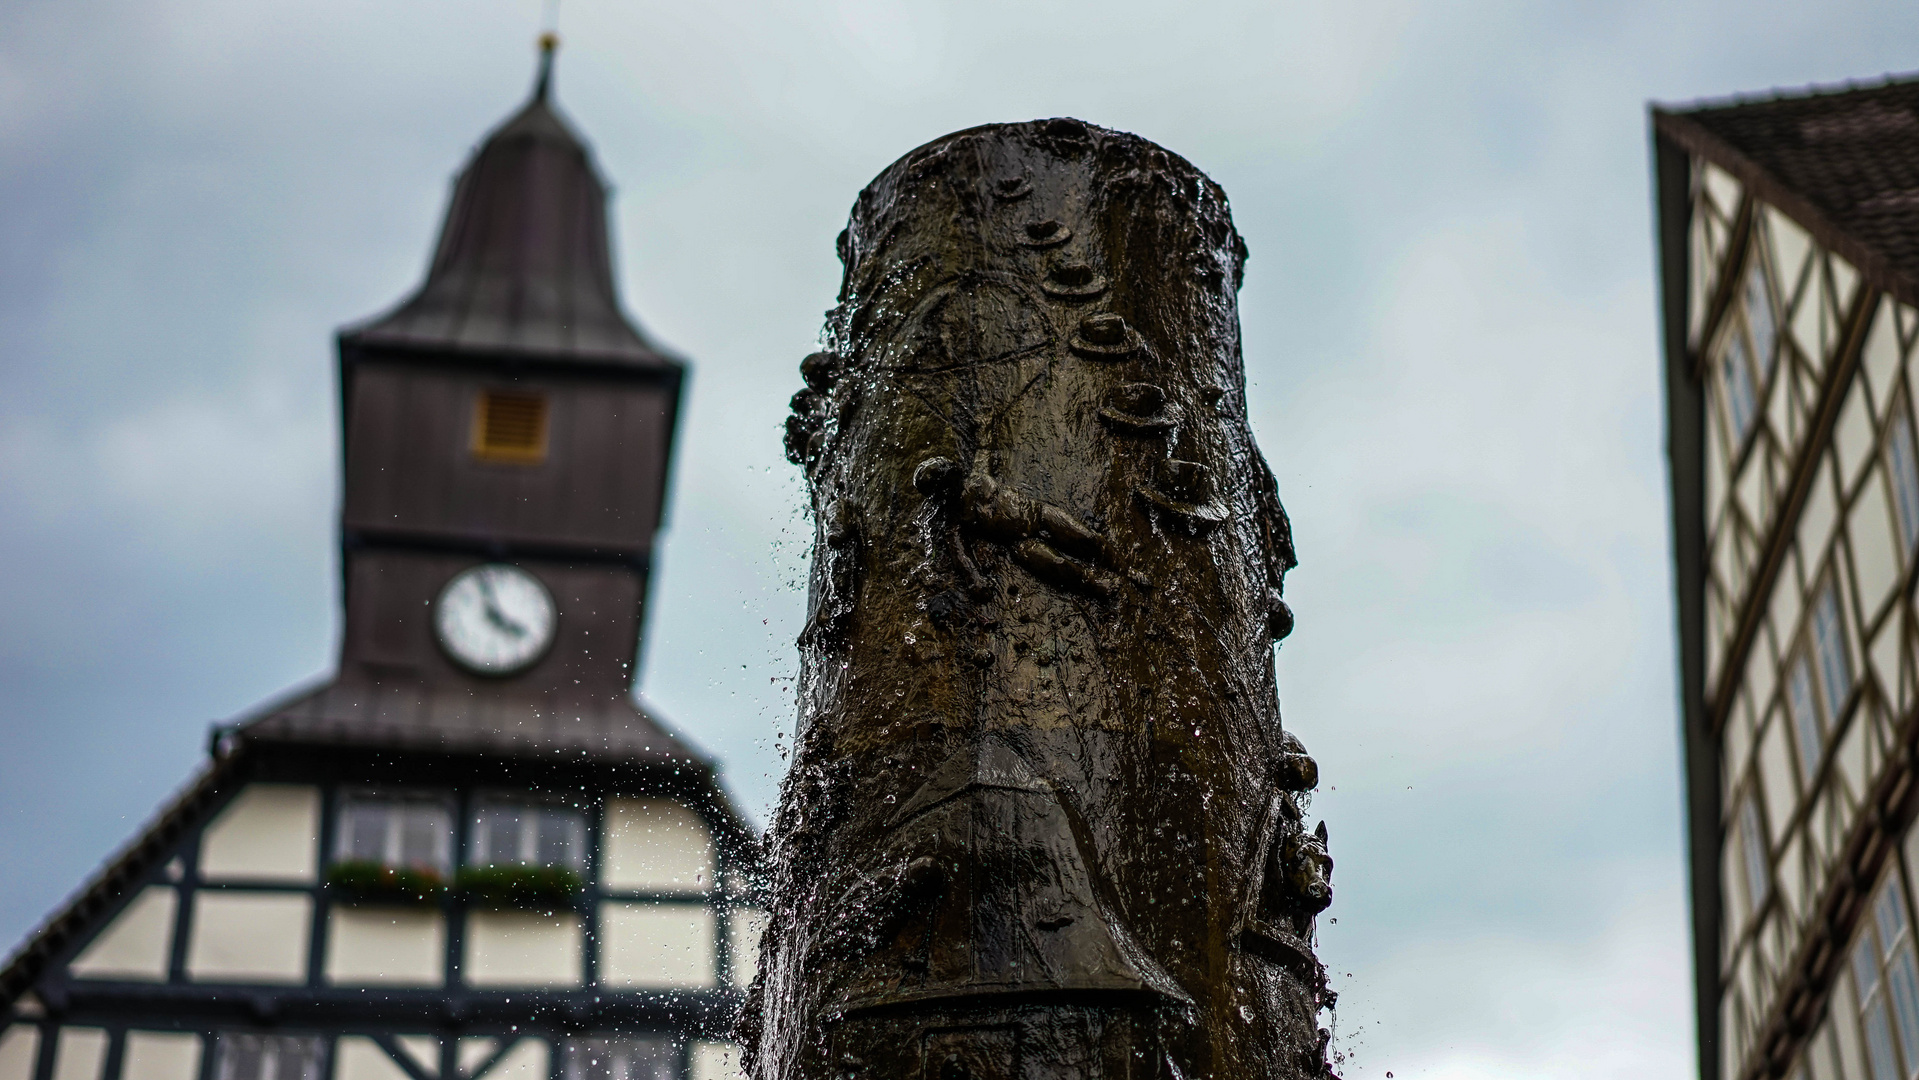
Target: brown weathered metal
{"type": "Point", "coordinates": [1042, 818]}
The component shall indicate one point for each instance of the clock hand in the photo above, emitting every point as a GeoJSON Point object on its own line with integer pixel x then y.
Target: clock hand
{"type": "Point", "coordinates": [493, 613]}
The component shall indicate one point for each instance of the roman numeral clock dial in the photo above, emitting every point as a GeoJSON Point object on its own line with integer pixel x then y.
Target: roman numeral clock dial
{"type": "Point", "coordinates": [494, 619]}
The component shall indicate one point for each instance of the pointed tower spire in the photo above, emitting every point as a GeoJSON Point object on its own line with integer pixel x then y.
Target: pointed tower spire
{"type": "Point", "coordinates": [522, 265]}
{"type": "Point", "coordinates": [549, 44]}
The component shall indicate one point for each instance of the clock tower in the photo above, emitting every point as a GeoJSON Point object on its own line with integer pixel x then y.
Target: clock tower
{"type": "Point", "coordinates": [468, 853]}
{"type": "Point", "coordinates": [507, 422]}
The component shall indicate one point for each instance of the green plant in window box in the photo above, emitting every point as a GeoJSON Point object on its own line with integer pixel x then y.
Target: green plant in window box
{"type": "Point", "coordinates": [375, 882]}
{"type": "Point", "coordinates": [519, 885]}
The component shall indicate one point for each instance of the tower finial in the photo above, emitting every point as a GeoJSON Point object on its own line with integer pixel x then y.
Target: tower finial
{"type": "Point", "coordinates": [549, 44]}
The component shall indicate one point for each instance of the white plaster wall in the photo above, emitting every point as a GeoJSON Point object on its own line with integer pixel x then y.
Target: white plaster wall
{"type": "Point", "coordinates": [526, 1061]}
{"type": "Point", "coordinates": [356, 1057]}
{"type": "Point", "coordinates": [655, 845]}
{"type": "Point", "coordinates": [269, 832]}
{"type": "Point", "coordinates": [714, 1061]}
{"type": "Point", "coordinates": [136, 944]}
{"type": "Point", "coordinates": [19, 1049]}
{"type": "Point", "coordinates": [386, 946]}
{"type": "Point", "coordinates": [249, 936]}
{"type": "Point", "coordinates": [743, 930]}
{"type": "Point", "coordinates": [80, 1054]}
{"type": "Point", "coordinates": [161, 1055]}
{"type": "Point", "coordinates": [474, 1050]}
{"type": "Point", "coordinates": [656, 945]}
{"type": "Point", "coordinates": [522, 948]}
{"type": "Point", "coordinates": [424, 1050]}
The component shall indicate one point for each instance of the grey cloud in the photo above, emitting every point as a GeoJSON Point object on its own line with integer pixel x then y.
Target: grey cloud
{"type": "Point", "coordinates": [1449, 330]}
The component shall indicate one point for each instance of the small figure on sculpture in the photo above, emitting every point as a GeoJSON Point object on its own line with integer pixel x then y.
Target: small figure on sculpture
{"type": "Point", "coordinates": [1048, 542]}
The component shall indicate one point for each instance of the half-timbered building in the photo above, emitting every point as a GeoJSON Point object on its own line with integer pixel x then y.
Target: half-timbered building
{"type": "Point", "coordinates": [467, 854]}
{"type": "Point", "coordinates": [1788, 236]}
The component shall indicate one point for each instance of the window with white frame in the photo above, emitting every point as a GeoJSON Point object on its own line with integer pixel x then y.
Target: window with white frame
{"type": "Point", "coordinates": [1752, 852]}
{"type": "Point", "coordinates": [1829, 646]}
{"type": "Point", "coordinates": [1802, 702]}
{"type": "Point", "coordinates": [1760, 319]}
{"type": "Point", "coordinates": [270, 1057]}
{"type": "Point", "coordinates": [1886, 977]}
{"type": "Point", "coordinates": [411, 831]}
{"type": "Point", "coordinates": [1742, 396]}
{"type": "Point", "coordinates": [510, 830]}
{"type": "Point", "coordinates": [1819, 678]}
{"type": "Point", "coordinates": [620, 1059]}
{"type": "Point", "coordinates": [1903, 463]}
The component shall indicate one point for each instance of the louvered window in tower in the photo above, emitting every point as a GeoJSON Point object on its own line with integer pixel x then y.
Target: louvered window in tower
{"type": "Point", "coordinates": [510, 426]}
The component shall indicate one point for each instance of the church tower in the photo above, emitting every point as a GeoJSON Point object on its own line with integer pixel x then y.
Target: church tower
{"type": "Point", "coordinates": [468, 854]}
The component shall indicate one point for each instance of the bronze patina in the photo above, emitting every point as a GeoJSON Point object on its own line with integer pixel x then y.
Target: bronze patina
{"type": "Point", "coordinates": [1042, 818]}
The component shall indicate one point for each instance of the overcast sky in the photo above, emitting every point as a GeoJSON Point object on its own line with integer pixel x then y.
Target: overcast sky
{"type": "Point", "coordinates": [1450, 339]}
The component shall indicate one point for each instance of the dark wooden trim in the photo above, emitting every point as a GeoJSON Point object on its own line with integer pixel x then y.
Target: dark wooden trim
{"type": "Point", "coordinates": [1887, 812]}
{"type": "Point", "coordinates": [324, 841]}
{"type": "Point", "coordinates": [1754, 605]}
{"type": "Point", "coordinates": [116, 1052]}
{"type": "Point", "coordinates": [402, 1059]}
{"type": "Point", "coordinates": [353, 1010]}
{"type": "Point", "coordinates": [639, 560]}
{"type": "Point", "coordinates": [512, 363]}
{"type": "Point", "coordinates": [43, 1059]}
{"type": "Point", "coordinates": [1724, 290]}
{"type": "Point", "coordinates": [455, 907]}
{"type": "Point", "coordinates": [593, 826]}
{"type": "Point", "coordinates": [1686, 432]}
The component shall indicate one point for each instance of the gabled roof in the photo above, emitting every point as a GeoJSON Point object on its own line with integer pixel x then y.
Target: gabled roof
{"type": "Point", "coordinates": [523, 265]}
{"type": "Point", "coordinates": [1843, 161]}
{"type": "Point", "coordinates": [120, 872]}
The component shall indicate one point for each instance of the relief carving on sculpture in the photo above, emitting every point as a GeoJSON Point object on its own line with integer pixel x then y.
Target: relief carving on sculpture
{"type": "Point", "coordinates": [1042, 819]}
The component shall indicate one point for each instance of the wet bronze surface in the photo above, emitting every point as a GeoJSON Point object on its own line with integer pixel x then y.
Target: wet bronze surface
{"type": "Point", "coordinates": [1042, 819]}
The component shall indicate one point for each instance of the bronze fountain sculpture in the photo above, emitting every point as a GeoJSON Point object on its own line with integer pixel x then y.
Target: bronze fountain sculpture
{"type": "Point", "coordinates": [1042, 819]}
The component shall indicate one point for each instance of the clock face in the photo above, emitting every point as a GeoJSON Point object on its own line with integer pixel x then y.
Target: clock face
{"type": "Point", "coordinates": [494, 619]}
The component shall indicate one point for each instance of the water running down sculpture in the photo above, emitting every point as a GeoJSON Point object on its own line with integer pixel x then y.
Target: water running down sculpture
{"type": "Point", "coordinates": [1042, 819]}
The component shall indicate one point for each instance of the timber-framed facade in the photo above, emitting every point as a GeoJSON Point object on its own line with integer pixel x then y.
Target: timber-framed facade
{"type": "Point", "coordinates": [1788, 237]}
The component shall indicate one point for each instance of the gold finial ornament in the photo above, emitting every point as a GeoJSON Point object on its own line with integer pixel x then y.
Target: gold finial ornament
{"type": "Point", "coordinates": [549, 43]}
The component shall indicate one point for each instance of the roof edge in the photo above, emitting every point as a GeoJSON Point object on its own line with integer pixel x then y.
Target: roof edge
{"type": "Point", "coordinates": [1759, 181]}
{"type": "Point", "coordinates": [116, 874]}
{"type": "Point", "coordinates": [1808, 92]}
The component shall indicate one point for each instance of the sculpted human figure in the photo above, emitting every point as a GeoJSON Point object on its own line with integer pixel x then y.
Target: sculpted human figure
{"type": "Point", "coordinates": [1046, 540]}
{"type": "Point", "coordinates": [1043, 819]}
